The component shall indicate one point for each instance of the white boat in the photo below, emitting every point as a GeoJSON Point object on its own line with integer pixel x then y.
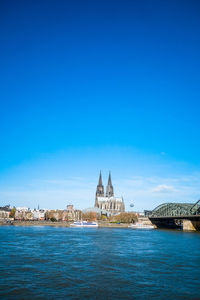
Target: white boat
{"type": "Point", "coordinates": [84, 224]}
{"type": "Point", "coordinates": [141, 226]}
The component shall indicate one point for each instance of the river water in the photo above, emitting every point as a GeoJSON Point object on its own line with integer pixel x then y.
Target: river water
{"type": "Point", "coordinates": [98, 263]}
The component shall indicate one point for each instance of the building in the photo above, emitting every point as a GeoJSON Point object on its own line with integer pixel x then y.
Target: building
{"type": "Point", "coordinates": [113, 205]}
{"type": "Point", "coordinates": [23, 214]}
{"type": "Point", "coordinates": [23, 208]}
{"type": "Point", "coordinates": [69, 214]}
{"type": "Point", "coordinates": [38, 214]}
{"type": "Point", "coordinates": [5, 212]}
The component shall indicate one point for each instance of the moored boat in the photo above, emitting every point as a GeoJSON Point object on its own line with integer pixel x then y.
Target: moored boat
{"type": "Point", "coordinates": [84, 224]}
{"type": "Point", "coordinates": [141, 226]}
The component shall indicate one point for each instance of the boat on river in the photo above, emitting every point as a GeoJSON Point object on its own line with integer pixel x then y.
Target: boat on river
{"type": "Point", "coordinates": [141, 226]}
{"type": "Point", "coordinates": [84, 224]}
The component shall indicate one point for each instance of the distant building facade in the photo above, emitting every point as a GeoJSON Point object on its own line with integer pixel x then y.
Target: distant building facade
{"type": "Point", "coordinates": [108, 202]}
{"type": "Point", "coordinates": [69, 214]}
{"type": "Point", "coordinates": [5, 212]}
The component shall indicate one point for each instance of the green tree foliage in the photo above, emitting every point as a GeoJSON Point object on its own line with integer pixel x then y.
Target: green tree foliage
{"type": "Point", "coordinates": [12, 214]}
{"type": "Point", "coordinates": [103, 218]}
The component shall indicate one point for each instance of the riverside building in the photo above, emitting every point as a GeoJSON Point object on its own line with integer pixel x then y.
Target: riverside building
{"type": "Point", "coordinates": [113, 205]}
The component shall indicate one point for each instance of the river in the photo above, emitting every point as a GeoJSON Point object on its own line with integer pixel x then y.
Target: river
{"type": "Point", "coordinates": [102, 263]}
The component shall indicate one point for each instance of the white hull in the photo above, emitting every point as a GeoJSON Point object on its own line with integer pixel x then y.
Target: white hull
{"type": "Point", "coordinates": [141, 226]}
{"type": "Point", "coordinates": [84, 224]}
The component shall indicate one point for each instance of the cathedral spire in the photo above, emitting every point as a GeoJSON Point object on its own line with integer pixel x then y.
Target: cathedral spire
{"type": "Point", "coordinates": [109, 179]}
{"type": "Point", "coordinates": [100, 179]}
{"type": "Point", "coordinates": [109, 188]}
{"type": "Point", "coordinates": [99, 191]}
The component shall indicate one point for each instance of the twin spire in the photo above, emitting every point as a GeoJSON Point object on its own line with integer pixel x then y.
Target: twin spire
{"type": "Point", "coordinates": [109, 179]}
{"type": "Point", "coordinates": [100, 187]}
{"type": "Point", "coordinates": [100, 179]}
{"type": "Point", "coordinates": [109, 188]}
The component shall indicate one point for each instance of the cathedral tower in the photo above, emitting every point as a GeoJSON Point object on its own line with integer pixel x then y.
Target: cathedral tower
{"type": "Point", "coordinates": [100, 190]}
{"type": "Point", "coordinates": [109, 188]}
{"type": "Point", "coordinates": [108, 204]}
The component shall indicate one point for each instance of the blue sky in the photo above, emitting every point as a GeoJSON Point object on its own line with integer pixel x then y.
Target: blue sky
{"type": "Point", "coordinates": [90, 85]}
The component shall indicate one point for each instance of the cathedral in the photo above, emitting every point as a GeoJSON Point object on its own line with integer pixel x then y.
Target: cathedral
{"type": "Point", "coordinates": [113, 205]}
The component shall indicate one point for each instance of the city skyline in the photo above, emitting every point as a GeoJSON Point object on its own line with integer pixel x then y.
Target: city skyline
{"type": "Point", "coordinates": [145, 192]}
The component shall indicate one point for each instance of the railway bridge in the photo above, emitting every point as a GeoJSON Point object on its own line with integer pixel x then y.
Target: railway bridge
{"type": "Point", "coordinates": [176, 215]}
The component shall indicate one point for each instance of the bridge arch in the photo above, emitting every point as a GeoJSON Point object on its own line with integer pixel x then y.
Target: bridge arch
{"type": "Point", "coordinates": [172, 210]}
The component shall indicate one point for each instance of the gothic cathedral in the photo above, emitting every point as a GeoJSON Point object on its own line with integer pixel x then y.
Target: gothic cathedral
{"type": "Point", "coordinates": [113, 205]}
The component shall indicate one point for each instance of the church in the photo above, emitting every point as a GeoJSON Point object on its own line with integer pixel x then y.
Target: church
{"type": "Point", "coordinates": [113, 205]}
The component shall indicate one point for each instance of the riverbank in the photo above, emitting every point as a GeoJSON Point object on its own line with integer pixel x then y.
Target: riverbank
{"type": "Point", "coordinates": [60, 224]}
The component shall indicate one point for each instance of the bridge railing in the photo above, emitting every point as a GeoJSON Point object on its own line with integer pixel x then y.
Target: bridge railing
{"type": "Point", "coordinates": [195, 210]}
{"type": "Point", "coordinates": [176, 209]}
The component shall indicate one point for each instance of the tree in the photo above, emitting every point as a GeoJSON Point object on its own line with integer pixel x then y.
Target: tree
{"type": "Point", "coordinates": [125, 217]}
{"type": "Point", "coordinates": [89, 216]}
{"type": "Point", "coordinates": [12, 213]}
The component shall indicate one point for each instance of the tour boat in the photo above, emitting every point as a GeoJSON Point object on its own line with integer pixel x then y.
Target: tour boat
{"type": "Point", "coordinates": [141, 226]}
{"type": "Point", "coordinates": [84, 224]}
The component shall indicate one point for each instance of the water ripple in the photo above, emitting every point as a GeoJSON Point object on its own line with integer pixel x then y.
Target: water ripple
{"type": "Point", "coordinates": [58, 263]}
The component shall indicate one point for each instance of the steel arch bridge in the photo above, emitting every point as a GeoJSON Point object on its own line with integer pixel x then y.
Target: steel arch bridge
{"type": "Point", "coordinates": [176, 210]}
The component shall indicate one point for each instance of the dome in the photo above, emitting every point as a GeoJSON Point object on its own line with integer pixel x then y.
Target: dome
{"type": "Point", "coordinates": [97, 210]}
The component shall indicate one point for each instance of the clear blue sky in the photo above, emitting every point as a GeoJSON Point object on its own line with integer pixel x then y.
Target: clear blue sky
{"type": "Point", "coordinates": [90, 85]}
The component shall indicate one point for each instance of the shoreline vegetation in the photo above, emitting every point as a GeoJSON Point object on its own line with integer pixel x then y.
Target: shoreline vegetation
{"type": "Point", "coordinates": [60, 224]}
{"type": "Point", "coordinates": [61, 218]}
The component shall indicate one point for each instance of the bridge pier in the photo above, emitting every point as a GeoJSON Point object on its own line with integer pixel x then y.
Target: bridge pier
{"type": "Point", "coordinates": [184, 216]}
{"type": "Point", "coordinates": [189, 225]}
{"type": "Point", "coordinates": [169, 223]}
